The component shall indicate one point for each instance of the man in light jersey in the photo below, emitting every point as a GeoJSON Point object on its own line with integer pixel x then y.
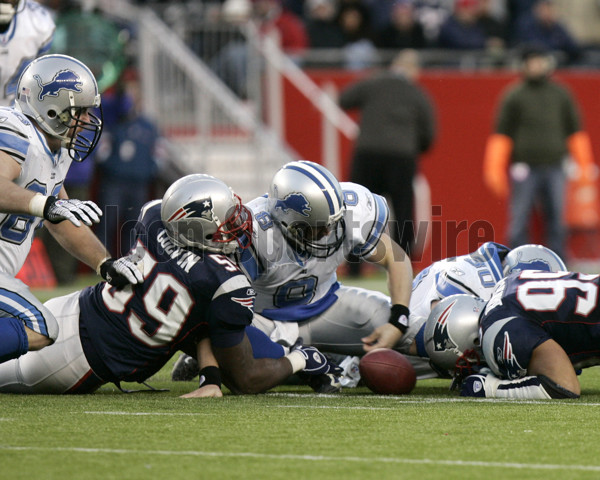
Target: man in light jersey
{"type": "Point", "coordinates": [38, 140]}
{"type": "Point", "coordinates": [26, 32]}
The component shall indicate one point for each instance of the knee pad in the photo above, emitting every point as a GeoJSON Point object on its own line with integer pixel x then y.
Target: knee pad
{"type": "Point", "coordinates": [13, 338]}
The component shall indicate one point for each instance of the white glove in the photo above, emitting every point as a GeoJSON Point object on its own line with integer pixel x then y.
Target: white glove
{"type": "Point", "coordinates": [76, 211]}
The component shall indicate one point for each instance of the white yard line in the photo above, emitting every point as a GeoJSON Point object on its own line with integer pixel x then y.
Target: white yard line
{"type": "Point", "coordinates": [307, 458]}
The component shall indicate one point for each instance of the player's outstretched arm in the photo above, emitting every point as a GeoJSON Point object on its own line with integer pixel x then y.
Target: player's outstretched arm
{"type": "Point", "coordinates": [394, 259]}
{"type": "Point", "coordinates": [210, 375]}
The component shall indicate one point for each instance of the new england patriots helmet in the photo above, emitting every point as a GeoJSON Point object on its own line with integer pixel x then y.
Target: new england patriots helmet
{"type": "Point", "coordinates": [201, 211]}
{"type": "Point", "coordinates": [532, 257]}
{"type": "Point", "coordinates": [58, 93]}
{"type": "Point", "coordinates": [307, 203]}
{"type": "Point", "coordinates": [452, 333]}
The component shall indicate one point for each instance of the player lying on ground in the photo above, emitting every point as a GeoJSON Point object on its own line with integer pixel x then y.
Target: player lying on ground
{"type": "Point", "coordinates": [191, 290]}
{"type": "Point", "coordinates": [534, 333]}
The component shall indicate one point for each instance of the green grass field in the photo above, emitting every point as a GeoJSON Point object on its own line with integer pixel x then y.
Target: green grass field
{"type": "Point", "coordinates": [291, 433]}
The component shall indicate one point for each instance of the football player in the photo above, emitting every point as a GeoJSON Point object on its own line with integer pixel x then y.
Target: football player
{"type": "Point", "coordinates": [26, 32]}
{"type": "Point", "coordinates": [476, 273]}
{"type": "Point", "coordinates": [38, 140]}
{"type": "Point", "coordinates": [193, 298]}
{"type": "Point", "coordinates": [536, 331]}
{"type": "Point", "coordinates": [304, 228]}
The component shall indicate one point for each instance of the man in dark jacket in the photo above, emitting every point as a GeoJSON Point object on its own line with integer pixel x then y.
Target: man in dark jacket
{"type": "Point", "coordinates": [397, 124]}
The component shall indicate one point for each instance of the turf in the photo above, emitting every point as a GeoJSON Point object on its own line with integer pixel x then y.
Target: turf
{"type": "Point", "coordinates": [291, 433]}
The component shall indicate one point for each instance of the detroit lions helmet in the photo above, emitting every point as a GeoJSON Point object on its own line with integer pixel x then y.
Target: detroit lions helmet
{"type": "Point", "coordinates": [452, 332]}
{"type": "Point", "coordinates": [307, 202]}
{"type": "Point", "coordinates": [532, 257]}
{"type": "Point", "coordinates": [201, 211]}
{"type": "Point", "coordinates": [58, 93]}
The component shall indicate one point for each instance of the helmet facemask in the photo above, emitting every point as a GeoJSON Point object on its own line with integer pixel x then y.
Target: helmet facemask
{"type": "Point", "coordinates": [82, 135]}
{"type": "Point", "coordinates": [237, 226]}
{"type": "Point", "coordinates": [318, 241]}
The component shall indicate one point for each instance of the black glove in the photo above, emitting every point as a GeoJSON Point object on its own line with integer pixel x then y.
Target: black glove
{"type": "Point", "coordinates": [316, 362]}
{"type": "Point", "coordinates": [122, 271]}
{"type": "Point", "coordinates": [76, 211]}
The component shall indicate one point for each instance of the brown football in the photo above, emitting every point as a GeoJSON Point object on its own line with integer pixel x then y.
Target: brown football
{"type": "Point", "coordinates": [387, 372]}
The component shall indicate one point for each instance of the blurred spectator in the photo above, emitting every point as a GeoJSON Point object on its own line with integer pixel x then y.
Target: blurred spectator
{"type": "Point", "coordinates": [126, 163]}
{"type": "Point", "coordinates": [359, 49]}
{"type": "Point", "coordinates": [321, 25]}
{"type": "Point", "coordinates": [431, 14]}
{"type": "Point", "coordinates": [403, 29]}
{"type": "Point", "coordinates": [538, 125]}
{"type": "Point", "coordinates": [493, 24]}
{"type": "Point", "coordinates": [397, 125]}
{"type": "Point", "coordinates": [26, 32]}
{"type": "Point", "coordinates": [542, 27]}
{"type": "Point", "coordinates": [462, 30]}
{"type": "Point", "coordinates": [272, 16]}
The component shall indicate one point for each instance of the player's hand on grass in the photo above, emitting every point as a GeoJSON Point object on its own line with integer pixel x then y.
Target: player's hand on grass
{"type": "Point", "coordinates": [206, 391]}
{"type": "Point", "coordinates": [384, 336]}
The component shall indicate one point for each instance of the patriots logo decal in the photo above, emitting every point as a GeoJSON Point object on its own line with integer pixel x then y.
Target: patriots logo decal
{"type": "Point", "coordinates": [244, 302]}
{"type": "Point", "coordinates": [506, 358]}
{"type": "Point", "coordinates": [441, 338]}
{"type": "Point", "coordinates": [196, 209]}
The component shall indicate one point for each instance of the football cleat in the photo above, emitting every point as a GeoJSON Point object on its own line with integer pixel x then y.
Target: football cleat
{"type": "Point", "coordinates": [473, 386]}
{"type": "Point", "coordinates": [186, 368]}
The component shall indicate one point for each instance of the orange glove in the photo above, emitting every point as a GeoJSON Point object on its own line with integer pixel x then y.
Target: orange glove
{"type": "Point", "coordinates": [580, 148]}
{"type": "Point", "coordinates": [495, 163]}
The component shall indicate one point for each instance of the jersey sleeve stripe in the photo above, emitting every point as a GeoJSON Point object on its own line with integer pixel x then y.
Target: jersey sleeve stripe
{"type": "Point", "coordinates": [249, 263]}
{"type": "Point", "coordinates": [231, 285]}
{"type": "Point", "coordinates": [16, 306]}
{"type": "Point", "coordinates": [381, 220]}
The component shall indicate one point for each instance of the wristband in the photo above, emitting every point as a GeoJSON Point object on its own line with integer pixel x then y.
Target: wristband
{"type": "Point", "coordinates": [37, 204]}
{"type": "Point", "coordinates": [399, 317]}
{"type": "Point", "coordinates": [297, 360]}
{"type": "Point", "coordinates": [210, 376]}
{"type": "Point", "coordinates": [98, 271]}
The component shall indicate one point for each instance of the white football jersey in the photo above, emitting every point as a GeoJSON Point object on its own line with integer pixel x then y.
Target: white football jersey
{"type": "Point", "coordinates": [41, 172]}
{"type": "Point", "coordinates": [28, 36]}
{"type": "Point", "coordinates": [291, 286]}
{"type": "Point", "coordinates": [476, 273]}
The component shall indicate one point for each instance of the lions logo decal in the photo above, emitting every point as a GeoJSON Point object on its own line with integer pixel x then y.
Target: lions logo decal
{"type": "Point", "coordinates": [197, 209]}
{"type": "Point", "coordinates": [296, 202]}
{"type": "Point", "coordinates": [63, 80]}
{"type": "Point", "coordinates": [441, 338]}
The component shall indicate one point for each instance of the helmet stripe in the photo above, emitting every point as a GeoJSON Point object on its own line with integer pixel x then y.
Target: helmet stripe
{"type": "Point", "coordinates": [321, 180]}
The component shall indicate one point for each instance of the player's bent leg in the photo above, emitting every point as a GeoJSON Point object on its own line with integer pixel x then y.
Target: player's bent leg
{"type": "Point", "coordinates": [14, 341]}
{"type": "Point", "coordinates": [21, 313]}
{"type": "Point", "coordinates": [57, 368]}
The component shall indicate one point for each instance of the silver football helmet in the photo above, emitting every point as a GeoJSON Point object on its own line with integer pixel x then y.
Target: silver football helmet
{"type": "Point", "coordinates": [58, 93]}
{"type": "Point", "coordinates": [532, 257]}
{"type": "Point", "coordinates": [201, 211]}
{"type": "Point", "coordinates": [452, 333]}
{"type": "Point", "coordinates": [307, 202]}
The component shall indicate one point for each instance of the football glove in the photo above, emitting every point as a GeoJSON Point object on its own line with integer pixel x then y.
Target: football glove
{"type": "Point", "coordinates": [316, 362]}
{"type": "Point", "coordinates": [121, 272]}
{"type": "Point", "coordinates": [76, 211]}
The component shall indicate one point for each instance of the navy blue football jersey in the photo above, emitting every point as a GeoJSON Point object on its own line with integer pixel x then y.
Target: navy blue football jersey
{"type": "Point", "coordinates": [530, 307]}
{"type": "Point", "coordinates": [129, 335]}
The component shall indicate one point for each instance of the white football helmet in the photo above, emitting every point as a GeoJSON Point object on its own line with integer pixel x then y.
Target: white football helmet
{"type": "Point", "coordinates": [307, 202]}
{"type": "Point", "coordinates": [201, 211]}
{"type": "Point", "coordinates": [532, 257]}
{"type": "Point", "coordinates": [452, 332]}
{"type": "Point", "coordinates": [58, 93]}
